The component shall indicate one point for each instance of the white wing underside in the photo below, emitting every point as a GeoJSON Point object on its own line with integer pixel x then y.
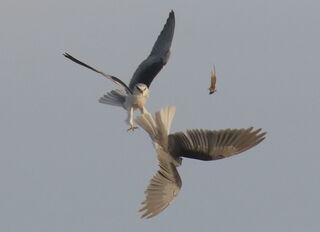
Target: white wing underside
{"type": "Point", "coordinates": [163, 188]}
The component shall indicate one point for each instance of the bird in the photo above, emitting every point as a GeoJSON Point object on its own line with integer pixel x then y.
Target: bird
{"type": "Point", "coordinates": [197, 144]}
{"type": "Point", "coordinates": [213, 81]}
{"type": "Point", "coordinates": [134, 96]}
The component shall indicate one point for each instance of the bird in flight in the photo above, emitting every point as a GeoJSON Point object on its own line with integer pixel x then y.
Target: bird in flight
{"type": "Point", "coordinates": [194, 144]}
{"type": "Point", "coordinates": [212, 88]}
{"type": "Point", "coordinates": [135, 95]}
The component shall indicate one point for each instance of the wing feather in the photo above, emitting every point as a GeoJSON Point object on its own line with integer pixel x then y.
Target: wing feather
{"type": "Point", "coordinates": [212, 145]}
{"type": "Point", "coordinates": [159, 56]}
{"type": "Point", "coordinates": [110, 77]}
{"type": "Point", "coordinates": [163, 188]}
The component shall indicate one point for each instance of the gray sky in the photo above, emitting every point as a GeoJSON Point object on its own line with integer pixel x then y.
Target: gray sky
{"type": "Point", "coordinates": [67, 162]}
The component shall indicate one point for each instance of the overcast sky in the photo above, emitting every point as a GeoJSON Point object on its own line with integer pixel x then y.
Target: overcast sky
{"type": "Point", "coordinates": [67, 162]}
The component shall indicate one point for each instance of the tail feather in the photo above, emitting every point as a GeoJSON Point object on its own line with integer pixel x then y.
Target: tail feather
{"type": "Point", "coordinates": [164, 119]}
{"type": "Point", "coordinates": [158, 128]}
{"type": "Point", "coordinates": [116, 97]}
{"type": "Point", "coordinates": [147, 122]}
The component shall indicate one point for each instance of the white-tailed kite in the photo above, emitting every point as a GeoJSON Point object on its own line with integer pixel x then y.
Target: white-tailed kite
{"type": "Point", "coordinates": [136, 94]}
{"type": "Point", "coordinates": [195, 144]}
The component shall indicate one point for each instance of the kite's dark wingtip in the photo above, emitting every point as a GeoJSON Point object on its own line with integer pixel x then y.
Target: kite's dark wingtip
{"type": "Point", "coordinates": [66, 54]}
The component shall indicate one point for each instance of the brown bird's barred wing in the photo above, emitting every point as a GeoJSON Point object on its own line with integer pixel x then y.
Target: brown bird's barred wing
{"type": "Point", "coordinates": [213, 145]}
{"type": "Point", "coordinates": [163, 188]}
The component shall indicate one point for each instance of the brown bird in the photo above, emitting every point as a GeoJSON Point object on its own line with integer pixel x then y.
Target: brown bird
{"type": "Point", "coordinates": [212, 88]}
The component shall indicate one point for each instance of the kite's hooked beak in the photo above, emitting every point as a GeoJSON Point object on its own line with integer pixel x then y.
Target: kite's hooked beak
{"type": "Point", "coordinates": [141, 91]}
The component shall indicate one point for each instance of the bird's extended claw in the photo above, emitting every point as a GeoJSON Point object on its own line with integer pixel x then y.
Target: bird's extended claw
{"type": "Point", "coordinates": [132, 128]}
